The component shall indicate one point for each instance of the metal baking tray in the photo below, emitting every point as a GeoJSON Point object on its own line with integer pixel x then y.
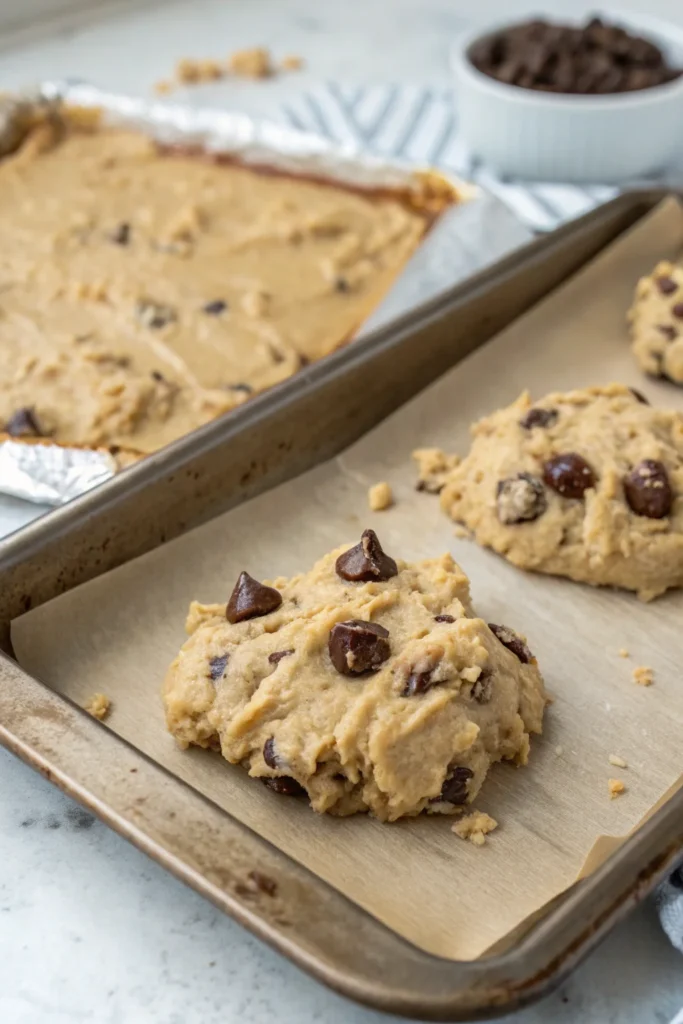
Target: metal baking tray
{"type": "Point", "coordinates": [219, 467]}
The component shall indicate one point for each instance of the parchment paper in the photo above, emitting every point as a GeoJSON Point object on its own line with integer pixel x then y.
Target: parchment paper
{"type": "Point", "coordinates": [117, 635]}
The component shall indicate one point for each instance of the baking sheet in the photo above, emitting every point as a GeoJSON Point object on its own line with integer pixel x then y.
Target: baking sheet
{"type": "Point", "coordinates": [465, 238]}
{"type": "Point", "coordinates": [118, 633]}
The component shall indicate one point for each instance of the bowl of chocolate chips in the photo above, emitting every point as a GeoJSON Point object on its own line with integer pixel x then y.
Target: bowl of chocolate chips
{"type": "Point", "coordinates": [594, 101]}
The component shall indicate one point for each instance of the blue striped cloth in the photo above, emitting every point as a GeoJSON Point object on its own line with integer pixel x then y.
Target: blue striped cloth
{"type": "Point", "coordinates": [419, 124]}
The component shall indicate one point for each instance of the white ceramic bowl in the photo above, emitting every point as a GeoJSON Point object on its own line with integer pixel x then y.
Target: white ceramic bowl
{"type": "Point", "coordinates": [549, 137]}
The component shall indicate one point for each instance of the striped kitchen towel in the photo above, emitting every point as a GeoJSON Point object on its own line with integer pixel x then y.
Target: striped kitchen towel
{"type": "Point", "coordinates": [419, 124]}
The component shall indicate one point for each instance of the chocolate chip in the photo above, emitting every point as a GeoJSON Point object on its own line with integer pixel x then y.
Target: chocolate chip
{"type": "Point", "coordinates": [121, 234]}
{"type": "Point", "coordinates": [270, 755]}
{"type": "Point", "coordinates": [513, 642]}
{"type": "Point", "coordinates": [597, 58]}
{"type": "Point", "coordinates": [341, 284]}
{"type": "Point", "coordinates": [277, 656]}
{"type": "Point", "coordinates": [538, 418]}
{"type": "Point", "coordinates": [247, 388]}
{"type": "Point", "coordinates": [217, 665]}
{"type": "Point", "coordinates": [454, 789]}
{"type": "Point", "coordinates": [23, 423]}
{"type": "Point", "coordinates": [250, 599]}
{"type": "Point", "coordinates": [357, 646]}
{"type": "Point", "coordinates": [216, 307]}
{"type": "Point", "coordinates": [158, 376]}
{"type": "Point", "coordinates": [285, 785]}
{"type": "Point", "coordinates": [520, 499]}
{"type": "Point", "coordinates": [569, 474]}
{"type": "Point", "coordinates": [417, 682]}
{"type": "Point", "coordinates": [677, 310]}
{"type": "Point", "coordinates": [154, 314]}
{"type": "Point", "coordinates": [669, 332]}
{"type": "Point", "coordinates": [648, 491]}
{"type": "Point", "coordinates": [666, 285]}
{"type": "Point", "coordinates": [444, 618]}
{"type": "Point", "coordinates": [482, 688]}
{"type": "Point", "coordinates": [639, 396]}
{"type": "Point", "coordinates": [366, 561]}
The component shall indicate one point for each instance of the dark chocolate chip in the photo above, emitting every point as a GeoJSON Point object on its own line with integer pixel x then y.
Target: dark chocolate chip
{"type": "Point", "coordinates": [121, 234]}
{"type": "Point", "coordinates": [154, 314]}
{"type": "Point", "coordinates": [277, 656]}
{"type": "Point", "coordinates": [366, 561]}
{"type": "Point", "coordinates": [454, 789]}
{"type": "Point", "coordinates": [677, 310]}
{"type": "Point", "coordinates": [417, 682]}
{"type": "Point", "coordinates": [216, 307]}
{"type": "Point", "coordinates": [158, 376]}
{"type": "Point", "coordinates": [217, 665]}
{"type": "Point", "coordinates": [285, 785]}
{"type": "Point", "coordinates": [569, 474]}
{"type": "Point", "coordinates": [520, 499]}
{"type": "Point", "coordinates": [251, 599]}
{"type": "Point", "coordinates": [639, 396]}
{"type": "Point", "coordinates": [669, 332]}
{"type": "Point", "coordinates": [23, 423]}
{"type": "Point", "coordinates": [270, 755]}
{"type": "Point", "coordinates": [666, 285]}
{"type": "Point", "coordinates": [341, 284]}
{"type": "Point", "coordinates": [513, 642]}
{"type": "Point", "coordinates": [648, 491]}
{"type": "Point", "coordinates": [482, 688]}
{"type": "Point", "coordinates": [444, 618]}
{"type": "Point", "coordinates": [539, 418]}
{"type": "Point", "coordinates": [357, 646]}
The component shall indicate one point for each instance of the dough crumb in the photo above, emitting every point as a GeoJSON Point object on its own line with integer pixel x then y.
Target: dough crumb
{"type": "Point", "coordinates": [292, 63]}
{"type": "Point", "coordinates": [433, 467]}
{"type": "Point", "coordinates": [98, 706]}
{"type": "Point", "coordinates": [559, 750]}
{"type": "Point", "coordinates": [252, 63]}
{"type": "Point", "coordinates": [475, 827]}
{"type": "Point", "coordinates": [623, 653]}
{"type": "Point", "coordinates": [461, 532]}
{"type": "Point", "coordinates": [643, 675]}
{"type": "Point", "coordinates": [163, 87]}
{"type": "Point", "coordinates": [617, 761]}
{"type": "Point", "coordinates": [380, 496]}
{"type": "Point", "coordinates": [616, 788]}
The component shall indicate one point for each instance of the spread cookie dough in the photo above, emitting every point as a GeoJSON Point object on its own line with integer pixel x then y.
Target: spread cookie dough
{"type": "Point", "coordinates": [656, 319]}
{"type": "Point", "coordinates": [365, 684]}
{"type": "Point", "coordinates": [584, 484]}
{"type": "Point", "coordinates": [143, 292]}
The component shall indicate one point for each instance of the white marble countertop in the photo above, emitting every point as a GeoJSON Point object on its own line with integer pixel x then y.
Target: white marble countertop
{"type": "Point", "coordinates": [90, 929]}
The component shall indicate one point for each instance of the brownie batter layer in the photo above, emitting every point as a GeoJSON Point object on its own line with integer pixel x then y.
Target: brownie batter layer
{"type": "Point", "coordinates": [142, 293]}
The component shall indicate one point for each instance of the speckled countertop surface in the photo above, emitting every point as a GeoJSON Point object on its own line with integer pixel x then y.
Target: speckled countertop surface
{"type": "Point", "coordinates": [90, 929]}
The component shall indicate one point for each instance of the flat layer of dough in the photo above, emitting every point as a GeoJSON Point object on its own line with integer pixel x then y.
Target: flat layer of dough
{"type": "Point", "coordinates": [143, 293]}
{"type": "Point", "coordinates": [357, 743]}
{"type": "Point", "coordinates": [595, 539]}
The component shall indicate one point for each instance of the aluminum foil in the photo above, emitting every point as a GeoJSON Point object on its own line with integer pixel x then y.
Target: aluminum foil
{"type": "Point", "coordinates": [49, 474]}
{"type": "Point", "coordinates": [466, 237]}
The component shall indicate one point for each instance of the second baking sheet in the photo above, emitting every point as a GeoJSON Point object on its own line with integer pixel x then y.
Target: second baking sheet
{"type": "Point", "coordinates": [118, 633]}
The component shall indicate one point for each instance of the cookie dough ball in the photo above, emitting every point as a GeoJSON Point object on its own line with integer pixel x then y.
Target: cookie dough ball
{"type": "Point", "coordinates": [586, 484]}
{"type": "Point", "coordinates": [366, 684]}
{"type": "Point", "coordinates": [656, 319]}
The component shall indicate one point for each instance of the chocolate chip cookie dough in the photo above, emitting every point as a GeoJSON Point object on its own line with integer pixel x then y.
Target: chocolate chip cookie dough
{"type": "Point", "coordinates": [585, 484]}
{"type": "Point", "coordinates": [365, 684]}
{"type": "Point", "coordinates": [143, 293]}
{"type": "Point", "coordinates": [656, 319]}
